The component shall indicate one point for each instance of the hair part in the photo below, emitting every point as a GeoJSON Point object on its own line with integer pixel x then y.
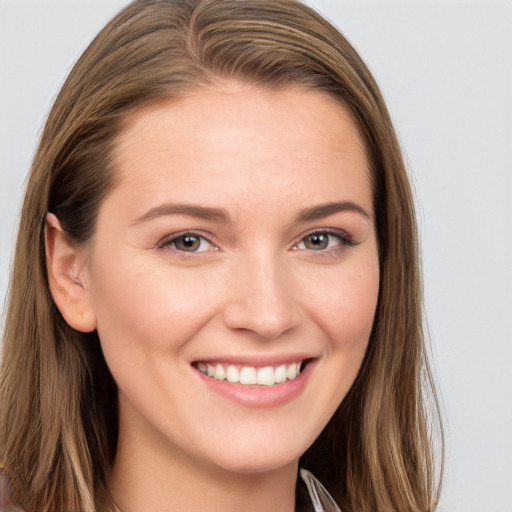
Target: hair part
{"type": "Point", "coordinates": [58, 399]}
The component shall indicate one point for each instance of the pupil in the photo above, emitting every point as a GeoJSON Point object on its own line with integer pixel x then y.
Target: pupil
{"type": "Point", "coordinates": [188, 243]}
{"type": "Point", "coordinates": [318, 241]}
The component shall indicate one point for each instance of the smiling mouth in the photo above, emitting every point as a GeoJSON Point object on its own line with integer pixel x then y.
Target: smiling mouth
{"type": "Point", "coordinates": [251, 375]}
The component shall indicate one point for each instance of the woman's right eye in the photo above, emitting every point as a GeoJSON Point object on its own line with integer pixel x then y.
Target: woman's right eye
{"type": "Point", "coordinates": [186, 242]}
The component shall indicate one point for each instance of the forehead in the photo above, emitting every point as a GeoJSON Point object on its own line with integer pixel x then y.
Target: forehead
{"type": "Point", "coordinates": [229, 138]}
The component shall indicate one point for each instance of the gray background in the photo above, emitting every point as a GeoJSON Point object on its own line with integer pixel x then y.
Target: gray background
{"type": "Point", "coordinates": [445, 70]}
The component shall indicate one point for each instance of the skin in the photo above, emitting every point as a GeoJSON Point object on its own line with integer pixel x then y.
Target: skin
{"type": "Point", "coordinates": [257, 286]}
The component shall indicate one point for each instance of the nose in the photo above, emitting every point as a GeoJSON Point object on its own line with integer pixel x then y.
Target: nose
{"type": "Point", "coordinates": [261, 299]}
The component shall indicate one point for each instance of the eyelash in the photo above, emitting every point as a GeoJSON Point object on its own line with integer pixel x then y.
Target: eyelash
{"type": "Point", "coordinates": [343, 238]}
{"type": "Point", "coordinates": [169, 242]}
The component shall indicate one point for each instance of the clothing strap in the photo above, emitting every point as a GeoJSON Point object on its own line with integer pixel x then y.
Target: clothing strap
{"type": "Point", "coordinates": [321, 500]}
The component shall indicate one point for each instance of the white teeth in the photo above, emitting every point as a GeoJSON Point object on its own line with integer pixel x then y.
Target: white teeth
{"type": "Point", "coordinates": [232, 374]}
{"type": "Point", "coordinates": [291, 371]}
{"type": "Point", "coordinates": [249, 375]}
{"type": "Point", "coordinates": [280, 374]}
{"type": "Point", "coordinates": [266, 376]}
{"type": "Point", "coordinates": [220, 374]}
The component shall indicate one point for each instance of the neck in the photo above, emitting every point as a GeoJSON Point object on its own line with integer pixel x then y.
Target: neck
{"type": "Point", "coordinates": [158, 477]}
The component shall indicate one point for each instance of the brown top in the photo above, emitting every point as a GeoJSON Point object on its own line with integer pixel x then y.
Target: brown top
{"type": "Point", "coordinates": [8, 502]}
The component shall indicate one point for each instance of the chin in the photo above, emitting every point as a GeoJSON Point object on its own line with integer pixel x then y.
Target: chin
{"type": "Point", "coordinates": [259, 467]}
{"type": "Point", "coordinates": [258, 460]}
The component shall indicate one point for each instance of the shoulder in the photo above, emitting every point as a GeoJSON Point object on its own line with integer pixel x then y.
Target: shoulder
{"type": "Point", "coordinates": [8, 502]}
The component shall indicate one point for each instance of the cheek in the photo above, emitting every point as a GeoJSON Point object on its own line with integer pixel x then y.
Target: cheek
{"type": "Point", "coordinates": [149, 305]}
{"type": "Point", "coordinates": [345, 311]}
{"type": "Point", "coordinates": [346, 307]}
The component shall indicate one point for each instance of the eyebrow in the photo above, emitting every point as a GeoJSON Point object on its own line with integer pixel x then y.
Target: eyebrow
{"type": "Point", "coordinates": [193, 210]}
{"type": "Point", "coordinates": [221, 215]}
{"type": "Point", "coordinates": [324, 210]}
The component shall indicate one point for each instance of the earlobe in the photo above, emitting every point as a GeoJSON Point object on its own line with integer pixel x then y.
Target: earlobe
{"type": "Point", "coordinates": [64, 263]}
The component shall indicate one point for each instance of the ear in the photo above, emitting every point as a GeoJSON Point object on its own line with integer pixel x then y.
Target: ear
{"type": "Point", "coordinates": [65, 262]}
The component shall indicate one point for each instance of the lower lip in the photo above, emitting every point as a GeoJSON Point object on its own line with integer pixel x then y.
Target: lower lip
{"type": "Point", "coordinates": [260, 396]}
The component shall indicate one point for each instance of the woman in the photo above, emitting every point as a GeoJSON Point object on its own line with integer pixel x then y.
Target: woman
{"type": "Point", "coordinates": [226, 285]}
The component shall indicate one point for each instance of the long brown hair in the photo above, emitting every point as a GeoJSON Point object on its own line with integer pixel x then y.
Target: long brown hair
{"type": "Point", "coordinates": [58, 400]}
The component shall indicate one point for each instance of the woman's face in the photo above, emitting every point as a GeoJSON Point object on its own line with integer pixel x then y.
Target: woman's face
{"type": "Point", "coordinates": [240, 242]}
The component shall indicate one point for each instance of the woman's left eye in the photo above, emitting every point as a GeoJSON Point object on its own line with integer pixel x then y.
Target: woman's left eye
{"type": "Point", "coordinates": [322, 241]}
{"type": "Point", "coordinates": [186, 242]}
